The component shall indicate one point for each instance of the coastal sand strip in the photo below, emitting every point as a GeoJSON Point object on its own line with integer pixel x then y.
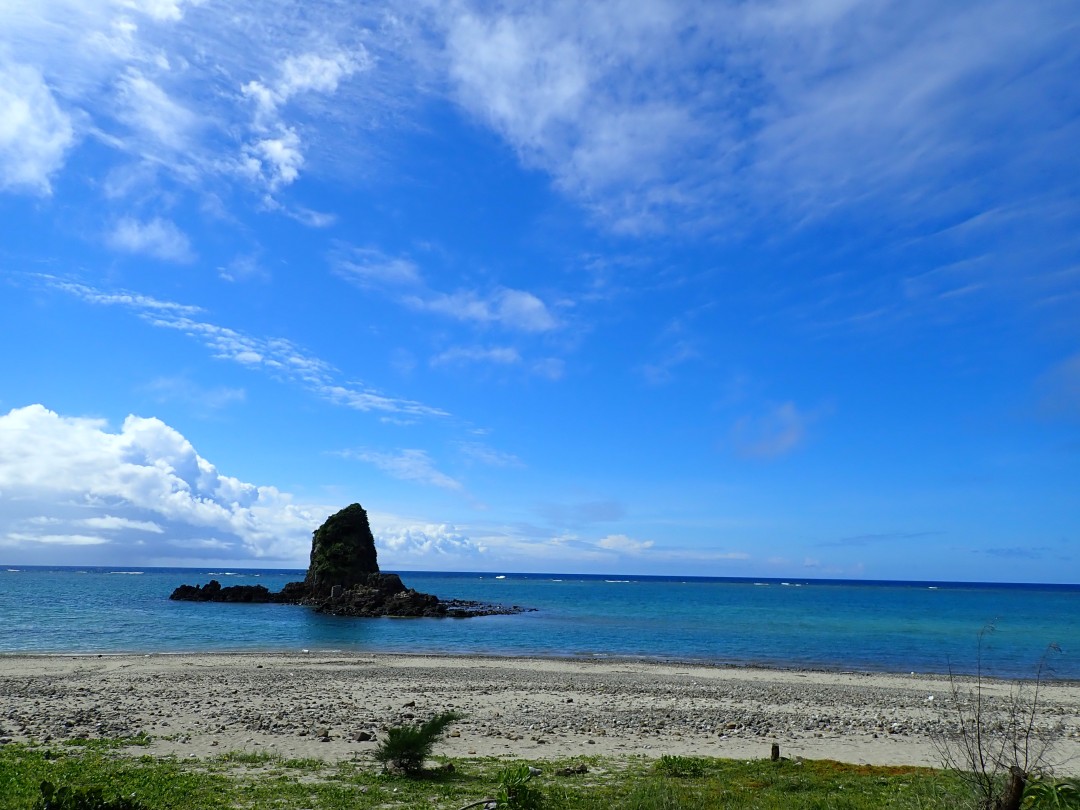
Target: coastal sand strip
{"type": "Point", "coordinates": [323, 705]}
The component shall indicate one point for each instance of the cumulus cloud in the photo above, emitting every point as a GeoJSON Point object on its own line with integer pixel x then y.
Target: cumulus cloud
{"type": "Point", "coordinates": [276, 153]}
{"type": "Point", "coordinates": [303, 73]}
{"type": "Point", "coordinates": [158, 238]}
{"type": "Point", "coordinates": [429, 540]}
{"type": "Point", "coordinates": [74, 481]}
{"type": "Point", "coordinates": [278, 159]}
{"type": "Point", "coordinates": [35, 134]}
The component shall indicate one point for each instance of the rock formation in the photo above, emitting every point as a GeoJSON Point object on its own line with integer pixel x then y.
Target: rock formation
{"type": "Point", "coordinates": [343, 579]}
{"type": "Point", "coordinates": [342, 553]}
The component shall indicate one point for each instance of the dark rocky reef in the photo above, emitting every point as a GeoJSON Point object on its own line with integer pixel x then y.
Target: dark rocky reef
{"type": "Point", "coordinates": [343, 579]}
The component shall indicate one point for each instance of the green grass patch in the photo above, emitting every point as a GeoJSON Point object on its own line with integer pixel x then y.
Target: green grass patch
{"type": "Point", "coordinates": [108, 743]}
{"type": "Point", "coordinates": [244, 781]}
{"type": "Point", "coordinates": [247, 757]}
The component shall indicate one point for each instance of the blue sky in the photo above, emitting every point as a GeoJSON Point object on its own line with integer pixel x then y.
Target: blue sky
{"type": "Point", "coordinates": [741, 289]}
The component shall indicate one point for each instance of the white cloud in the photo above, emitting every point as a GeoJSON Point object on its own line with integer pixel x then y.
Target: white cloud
{"type": "Point", "coordinates": [113, 523]}
{"type": "Point", "coordinates": [35, 134]}
{"type": "Point", "coordinates": [243, 268]}
{"type": "Point", "coordinates": [653, 113]}
{"type": "Point", "coordinates": [145, 479]}
{"type": "Point", "coordinates": [148, 109]}
{"type": "Point", "coordinates": [22, 539]}
{"type": "Point", "coordinates": [161, 10]}
{"type": "Point", "coordinates": [368, 267]}
{"type": "Point", "coordinates": [623, 544]}
{"type": "Point", "coordinates": [277, 357]}
{"type": "Point", "coordinates": [499, 355]}
{"type": "Point", "coordinates": [407, 465]}
{"type": "Point", "coordinates": [309, 217]}
{"type": "Point", "coordinates": [400, 277]}
{"type": "Point", "coordinates": [607, 98]}
{"type": "Point", "coordinates": [303, 73]}
{"type": "Point", "coordinates": [159, 238]}
{"type": "Point", "coordinates": [422, 540]}
{"type": "Point", "coordinates": [135, 301]}
{"type": "Point", "coordinates": [515, 310]}
{"type": "Point", "coordinates": [279, 159]}
{"type": "Point", "coordinates": [488, 455]}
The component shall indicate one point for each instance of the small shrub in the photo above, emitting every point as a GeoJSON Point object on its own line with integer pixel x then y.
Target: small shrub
{"type": "Point", "coordinates": [515, 792]}
{"type": "Point", "coordinates": [404, 748]}
{"type": "Point", "coordinates": [996, 745]}
{"type": "Point", "coordinates": [66, 798]}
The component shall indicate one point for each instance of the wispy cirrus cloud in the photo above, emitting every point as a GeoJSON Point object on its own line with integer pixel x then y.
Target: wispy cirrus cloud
{"type": "Point", "coordinates": [738, 101]}
{"type": "Point", "coordinates": [488, 456]}
{"type": "Point", "coordinates": [407, 465]}
{"type": "Point", "coordinates": [277, 357]}
{"type": "Point", "coordinates": [400, 279]}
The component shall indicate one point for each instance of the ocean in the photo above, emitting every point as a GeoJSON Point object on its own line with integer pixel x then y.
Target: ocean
{"type": "Point", "coordinates": [926, 627]}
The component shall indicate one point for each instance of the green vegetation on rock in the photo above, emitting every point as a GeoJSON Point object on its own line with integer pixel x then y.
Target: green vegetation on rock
{"type": "Point", "coordinates": [342, 552]}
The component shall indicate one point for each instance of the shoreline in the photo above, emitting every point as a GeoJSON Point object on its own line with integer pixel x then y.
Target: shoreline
{"type": "Point", "coordinates": [524, 660]}
{"type": "Point", "coordinates": [322, 704]}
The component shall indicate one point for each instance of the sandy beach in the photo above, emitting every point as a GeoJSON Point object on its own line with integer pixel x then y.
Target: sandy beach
{"type": "Point", "coordinates": [336, 706]}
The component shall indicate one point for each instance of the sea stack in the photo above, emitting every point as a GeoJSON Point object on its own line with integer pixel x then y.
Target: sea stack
{"type": "Point", "coordinates": [342, 553]}
{"type": "Point", "coordinates": [343, 579]}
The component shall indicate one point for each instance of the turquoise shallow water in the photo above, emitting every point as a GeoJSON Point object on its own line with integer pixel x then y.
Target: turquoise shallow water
{"type": "Point", "coordinates": [878, 626]}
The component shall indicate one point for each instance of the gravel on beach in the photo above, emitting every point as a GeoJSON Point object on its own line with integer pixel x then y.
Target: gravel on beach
{"type": "Point", "coordinates": [337, 706]}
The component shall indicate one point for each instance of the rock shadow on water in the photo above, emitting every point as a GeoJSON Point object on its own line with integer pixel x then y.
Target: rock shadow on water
{"type": "Point", "coordinates": [343, 579]}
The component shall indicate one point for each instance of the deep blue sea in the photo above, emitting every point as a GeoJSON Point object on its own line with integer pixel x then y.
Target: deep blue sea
{"type": "Point", "coordinates": [845, 625]}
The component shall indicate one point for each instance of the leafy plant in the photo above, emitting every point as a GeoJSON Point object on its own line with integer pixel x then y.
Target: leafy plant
{"type": "Point", "coordinates": [67, 798]}
{"type": "Point", "coordinates": [515, 792]}
{"type": "Point", "coordinates": [1044, 792]}
{"type": "Point", "coordinates": [404, 748]}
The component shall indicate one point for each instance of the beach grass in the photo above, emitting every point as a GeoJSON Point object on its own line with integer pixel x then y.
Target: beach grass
{"type": "Point", "coordinates": [246, 780]}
